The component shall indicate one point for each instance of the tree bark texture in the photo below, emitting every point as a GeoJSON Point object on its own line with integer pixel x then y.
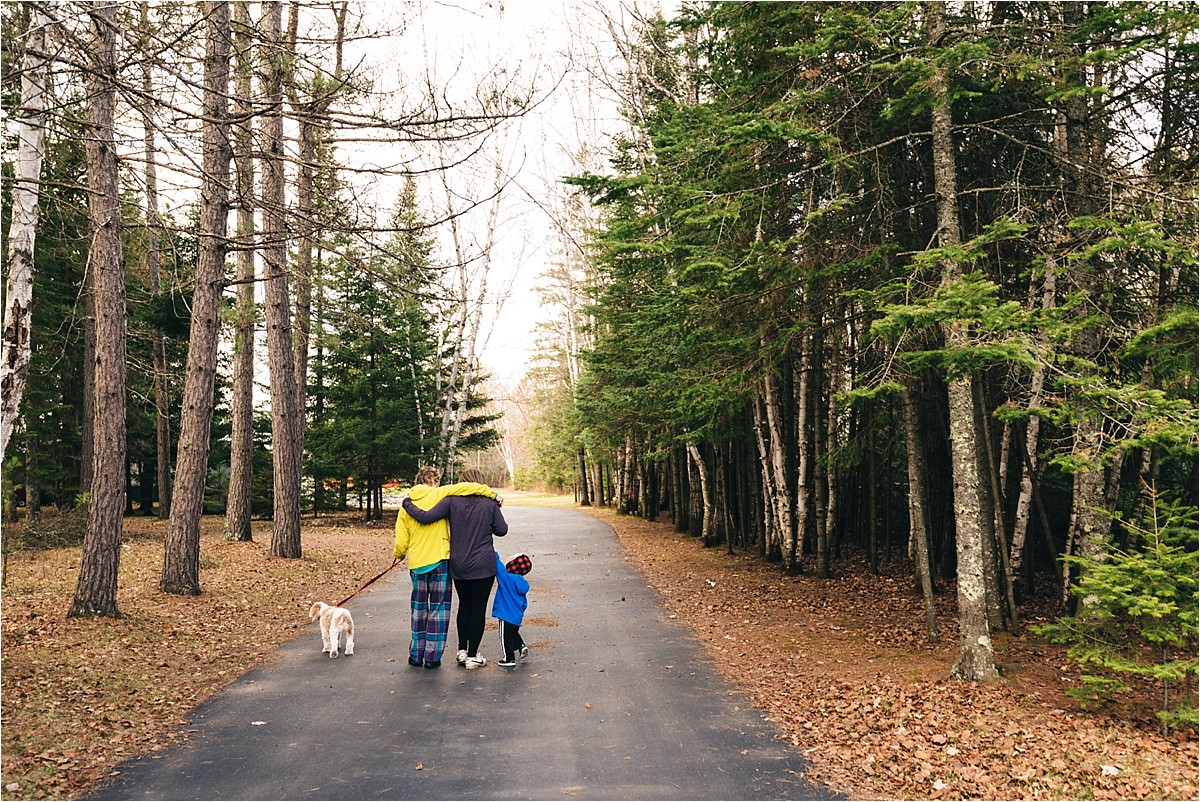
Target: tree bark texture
{"type": "Point", "coordinates": [162, 401]}
{"type": "Point", "coordinates": [918, 518]}
{"type": "Point", "coordinates": [975, 658]}
{"type": "Point", "coordinates": [30, 129]}
{"type": "Point", "coordinates": [96, 588]}
{"type": "Point", "coordinates": [780, 488]}
{"type": "Point", "coordinates": [181, 550]}
{"type": "Point", "coordinates": [285, 417]}
{"type": "Point", "coordinates": [241, 449]}
{"type": "Point", "coordinates": [706, 493]}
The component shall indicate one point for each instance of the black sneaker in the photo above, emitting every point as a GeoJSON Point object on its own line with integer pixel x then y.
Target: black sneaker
{"type": "Point", "coordinates": [506, 663]}
{"type": "Point", "coordinates": [433, 663]}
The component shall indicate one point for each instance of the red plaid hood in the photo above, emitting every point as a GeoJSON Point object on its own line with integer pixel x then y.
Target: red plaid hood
{"type": "Point", "coordinates": [519, 564]}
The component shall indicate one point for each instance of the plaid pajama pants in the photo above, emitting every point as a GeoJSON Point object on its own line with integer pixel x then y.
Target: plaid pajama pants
{"type": "Point", "coordinates": [430, 613]}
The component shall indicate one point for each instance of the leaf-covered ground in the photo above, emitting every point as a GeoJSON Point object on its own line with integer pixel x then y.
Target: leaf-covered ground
{"type": "Point", "coordinates": [840, 666]}
{"type": "Point", "coordinates": [843, 668]}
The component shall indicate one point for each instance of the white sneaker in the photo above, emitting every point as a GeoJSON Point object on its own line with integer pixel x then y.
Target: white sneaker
{"type": "Point", "coordinates": [461, 657]}
{"type": "Point", "coordinates": [475, 662]}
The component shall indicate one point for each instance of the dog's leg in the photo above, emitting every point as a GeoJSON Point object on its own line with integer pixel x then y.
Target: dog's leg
{"type": "Point", "coordinates": [350, 636]}
{"type": "Point", "coordinates": [324, 634]}
{"type": "Point", "coordinates": [335, 637]}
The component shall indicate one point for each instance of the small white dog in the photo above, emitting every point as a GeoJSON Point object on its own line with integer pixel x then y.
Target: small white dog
{"type": "Point", "coordinates": [334, 621]}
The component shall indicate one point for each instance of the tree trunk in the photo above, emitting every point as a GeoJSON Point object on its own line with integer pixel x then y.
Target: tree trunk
{"type": "Point", "coordinates": [770, 542]}
{"type": "Point", "coordinates": [993, 474]}
{"type": "Point", "coordinates": [918, 518]}
{"type": "Point", "coordinates": [181, 550]}
{"type": "Point", "coordinates": [780, 496]}
{"type": "Point", "coordinates": [96, 588]}
{"type": "Point", "coordinates": [705, 492]}
{"type": "Point", "coordinates": [1029, 463]}
{"type": "Point", "coordinates": [162, 401]}
{"type": "Point", "coordinates": [30, 129]}
{"type": "Point", "coordinates": [585, 498]}
{"type": "Point", "coordinates": [872, 492]}
{"type": "Point", "coordinates": [241, 447]}
{"type": "Point", "coordinates": [285, 417]}
{"type": "Point", "coordinates": [830, 422]}
{"type": "Point", "coordinates": [820, 463]}
{"type": "Point", "coordinates": [975, 658]}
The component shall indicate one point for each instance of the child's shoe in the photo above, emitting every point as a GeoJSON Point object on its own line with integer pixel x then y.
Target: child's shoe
{"type": "Point", "coordinates": [523, 652]}
{"type": "Point", "coordinates": [507, 663]}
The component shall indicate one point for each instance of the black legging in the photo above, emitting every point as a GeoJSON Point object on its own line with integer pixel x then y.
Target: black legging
{"type": "Point", "coordinates": [472, 611]}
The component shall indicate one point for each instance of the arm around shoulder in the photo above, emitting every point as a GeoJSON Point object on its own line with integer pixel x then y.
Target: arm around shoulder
{"type": "Point", "coordinates": [468, 489]}
{"type": "Point", "coordinates": [435, 513]}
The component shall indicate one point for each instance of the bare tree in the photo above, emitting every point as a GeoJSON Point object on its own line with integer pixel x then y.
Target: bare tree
{"type": "Point", "coordinates": [96, 589]}
{"type": "Point", "coordinates": [285, 416]}
{"type": "Point", "coordinates": [181, 553]}
{"type": "Point", "coordinates": [241, 449]}
{"type": "Point", "coordinates": [162, 402]}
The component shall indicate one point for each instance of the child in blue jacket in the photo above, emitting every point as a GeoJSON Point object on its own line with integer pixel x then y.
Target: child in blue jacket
{"type": "Point", "coordinates": [509, 607]}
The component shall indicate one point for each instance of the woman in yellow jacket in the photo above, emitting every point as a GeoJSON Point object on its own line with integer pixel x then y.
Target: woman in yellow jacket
{"type": "Point", "coordinates": [427, 547]}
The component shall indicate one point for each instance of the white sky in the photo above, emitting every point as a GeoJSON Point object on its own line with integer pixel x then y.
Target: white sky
{"type": "Point", "coordinates": [464, 44]}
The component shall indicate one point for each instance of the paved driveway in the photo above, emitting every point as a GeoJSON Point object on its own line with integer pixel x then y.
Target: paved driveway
{"type": "Point", "coordinates": [616, 701]}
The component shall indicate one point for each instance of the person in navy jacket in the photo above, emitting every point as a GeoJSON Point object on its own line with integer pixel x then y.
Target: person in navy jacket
{"type": "Point", "coordinates": [509, 606]}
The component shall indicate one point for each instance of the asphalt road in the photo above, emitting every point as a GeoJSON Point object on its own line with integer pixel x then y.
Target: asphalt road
{"type": "Point", "coordinates": [615, 701]}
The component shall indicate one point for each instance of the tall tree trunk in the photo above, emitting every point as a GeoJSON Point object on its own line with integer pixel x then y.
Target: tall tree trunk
{"type": "Point", "coordinates": [780, 496]}
{"type": "Point", "coordinates": [872, 491]}
{"type": "Point", "coordinates": [831, 422]}
{"type": "Point", "coordinates": [87, 422]}
{"type": "Point", "coordinates": [819, 448]}
{"type": "Point", "coordinates": [96, 588]}
{"type": "Point", "coordinates": [181, 551]}
{"type": "Point", "coordinates": [30, 129]}
{"type": "Point", "coordinates": [918, 518]}
{"type": "Point", "coordinates": [162, 401]}
{"type": "Point", "coordinates": [993, 473]}
{"type": "Point", "coordinates": [241, 447]}
{"type": "Point", "coordinates": [1029, 464]}
{"type": "Point", "coordinates": [706, 494]}
{"type": "Point", "coordinates": [770, 542]}
{"type": "Point", "coordinates": [285, 416]}
{"type": "Point", "coordinates": [585, 498]}
{"type": "Point", "coordinates": [806, 386]}
{"type": "Point", "coordinates": [975, 658]}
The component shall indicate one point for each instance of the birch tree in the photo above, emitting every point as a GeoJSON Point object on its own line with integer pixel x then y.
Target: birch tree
{"type": "Point", "coordinates": [30, 128]}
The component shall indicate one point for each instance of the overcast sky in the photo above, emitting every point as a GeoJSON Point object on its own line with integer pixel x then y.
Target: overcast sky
{"type": "Point", "coordinates": [461, 44]}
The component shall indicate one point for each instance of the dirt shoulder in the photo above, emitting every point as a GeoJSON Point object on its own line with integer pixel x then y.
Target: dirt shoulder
{"type": "Point", "coordinates": [843, 668]}
{"type": "Point", "coordinates": [840, 666]}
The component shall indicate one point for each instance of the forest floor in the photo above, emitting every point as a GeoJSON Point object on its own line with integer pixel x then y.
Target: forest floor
{"type": "Point", "coordinates": [840, 666]}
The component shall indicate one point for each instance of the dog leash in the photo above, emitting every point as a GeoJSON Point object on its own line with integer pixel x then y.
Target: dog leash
{"type": "Point", "coordinates": [369, 582]}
